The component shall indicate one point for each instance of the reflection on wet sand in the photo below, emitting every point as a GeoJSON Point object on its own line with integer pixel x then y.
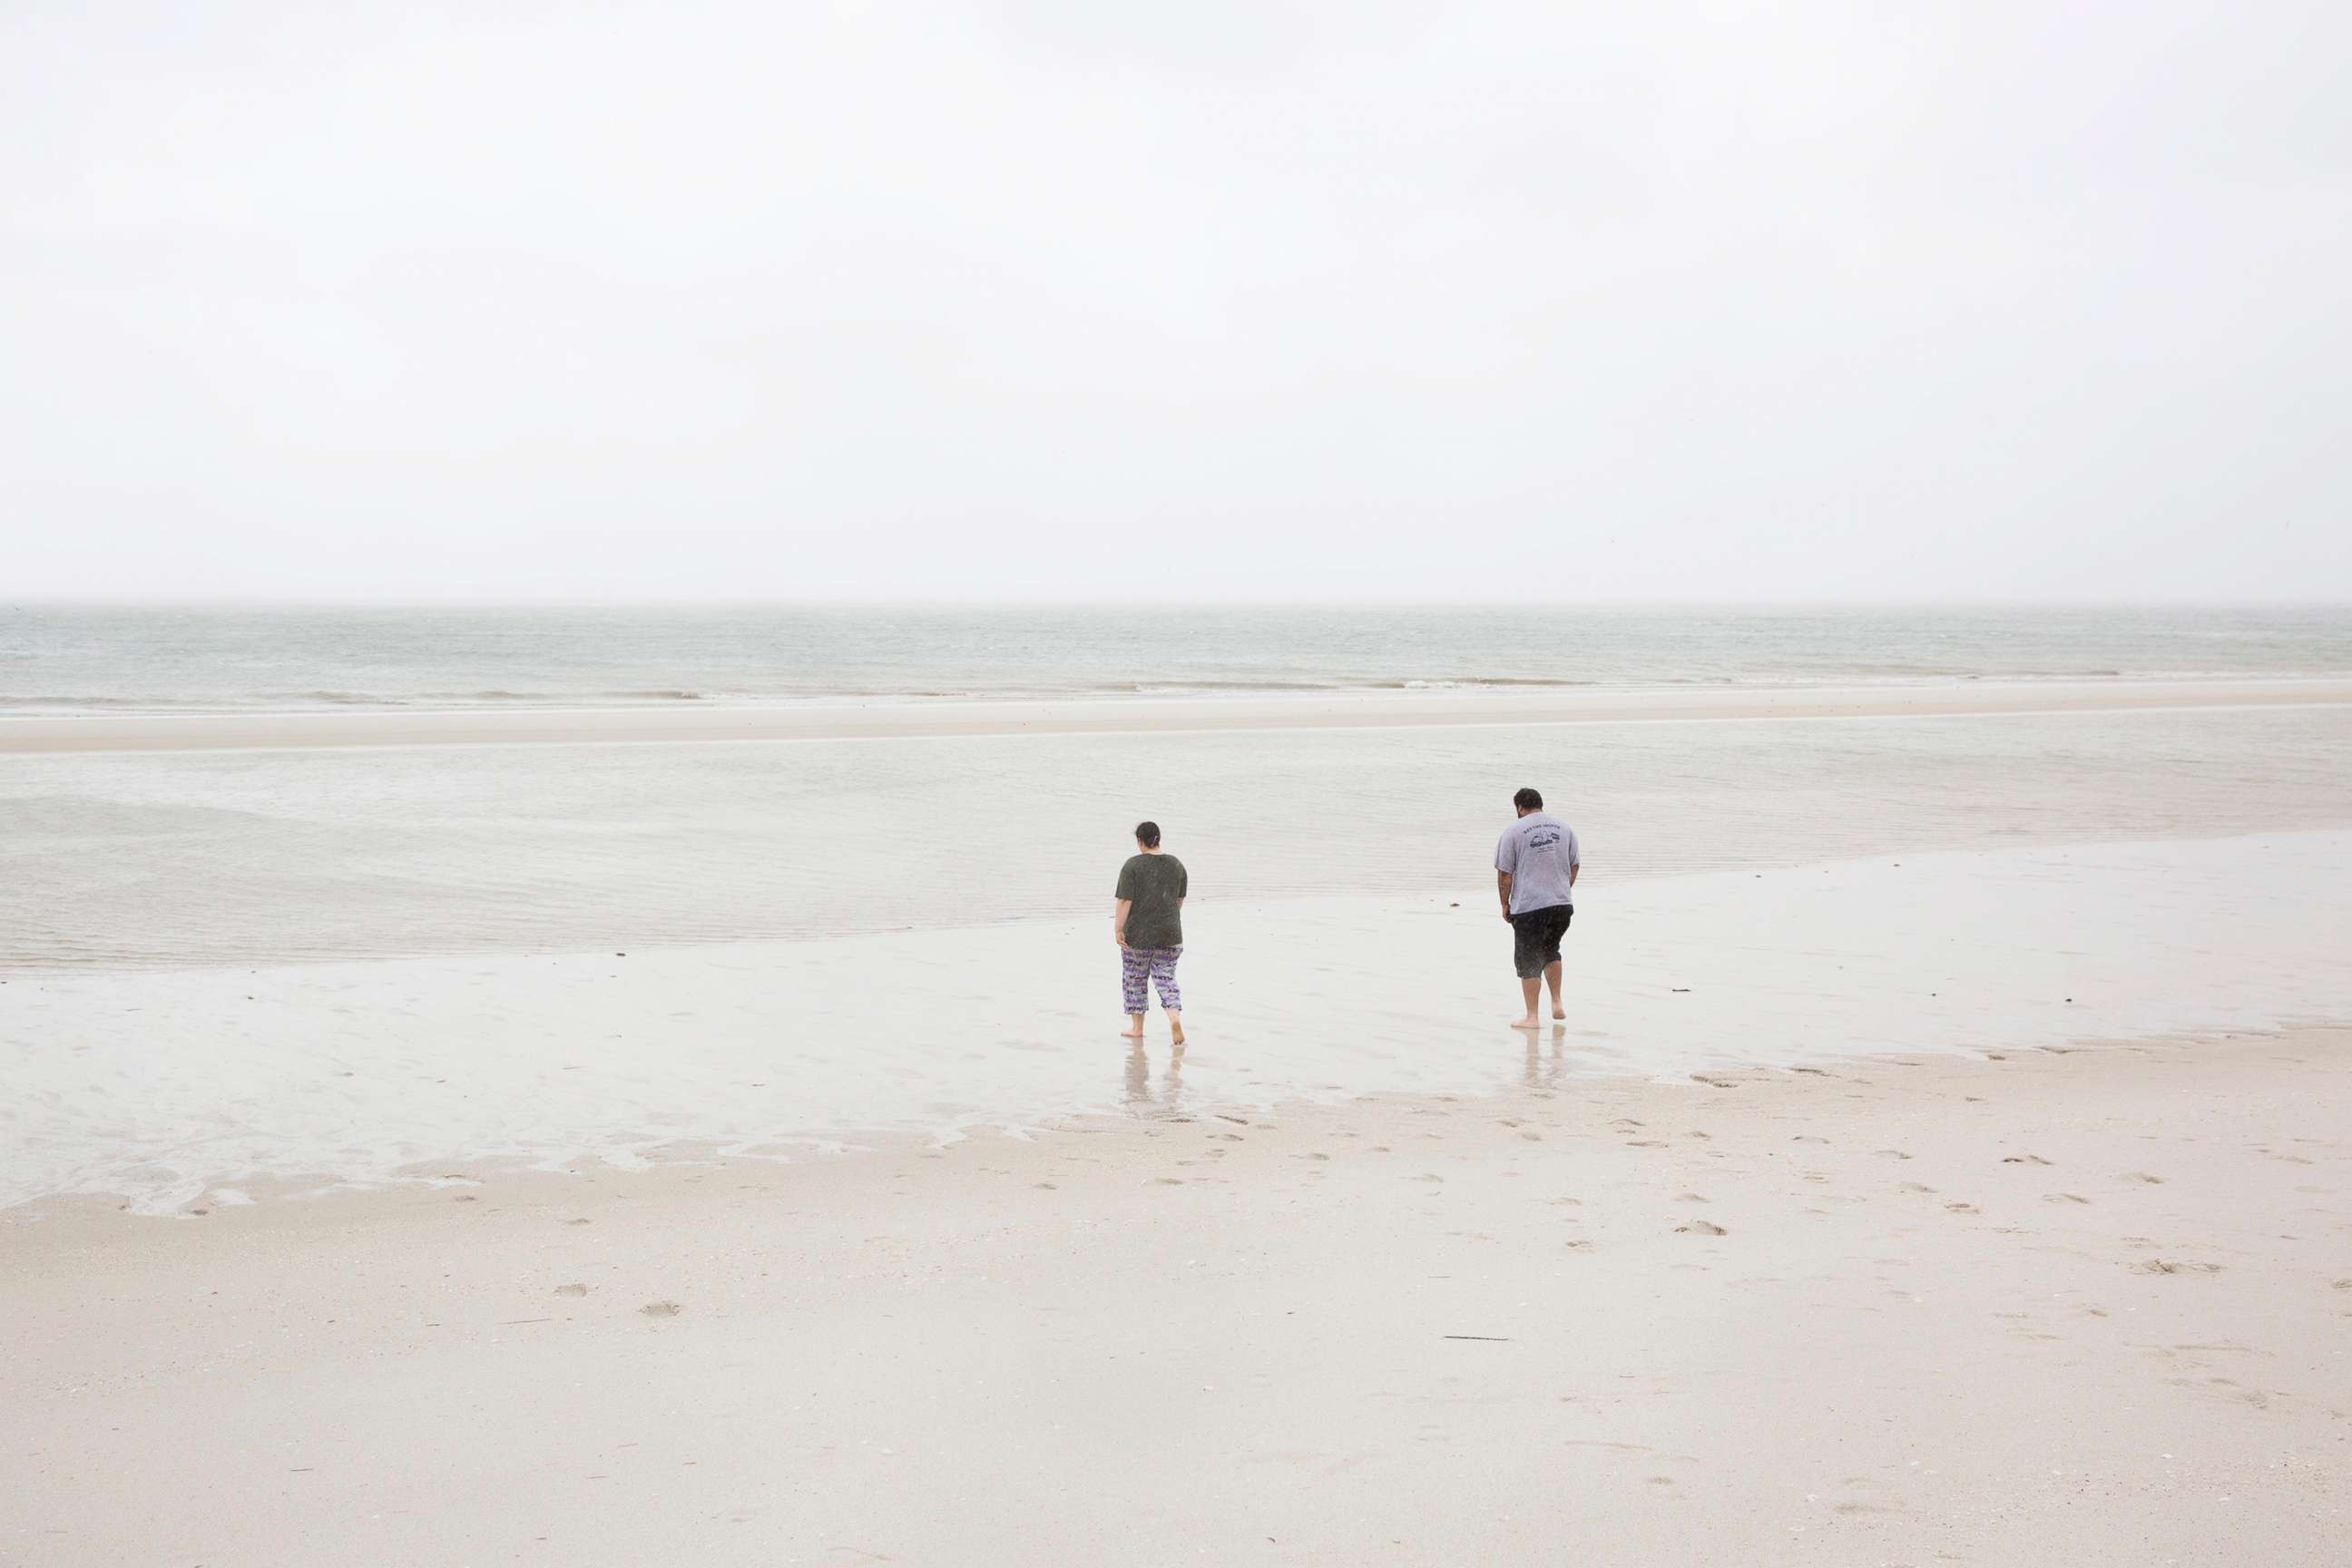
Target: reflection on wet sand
{"type": "Point", "coordinates": [1141, 1097]}
{"type": "Point", "coordinates": [1545, 1067]}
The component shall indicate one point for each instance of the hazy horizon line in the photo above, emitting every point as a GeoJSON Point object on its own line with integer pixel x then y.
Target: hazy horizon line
{"type": "Point", "coordinates": [1629, 602]}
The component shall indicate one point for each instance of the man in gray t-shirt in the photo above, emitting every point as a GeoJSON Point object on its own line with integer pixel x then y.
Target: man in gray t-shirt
{"type": "Point", "coordinates": [1536, 864]}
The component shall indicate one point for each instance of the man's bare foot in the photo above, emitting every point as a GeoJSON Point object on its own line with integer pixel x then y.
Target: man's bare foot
{"type": "Point", "coordinates": [1560, 1011]}
{"type": "Point", "coordinates": [1527, 1022]}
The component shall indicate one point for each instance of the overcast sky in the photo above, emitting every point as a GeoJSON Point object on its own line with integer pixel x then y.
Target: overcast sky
{"type": "Point", "coordinates": [1218, 298]}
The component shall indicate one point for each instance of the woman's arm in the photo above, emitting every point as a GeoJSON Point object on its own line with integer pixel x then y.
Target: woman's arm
{"type": "Point", "coordinates": [1119, 919]}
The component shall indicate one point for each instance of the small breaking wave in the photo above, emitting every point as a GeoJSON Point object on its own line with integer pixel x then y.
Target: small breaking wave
{"type": "Point", "coordinates": [498, 694]}
{"type": "Point", "coordinates": [1482, 683]}
{"type": "Point", "coordinates": [1345, 683]}
{"type": "Point", "coordinates": [332, 699]}
{"type": "Point", "coordinates": [1181, 688]}
{"type": "Point", "coordinates": [58, 701]}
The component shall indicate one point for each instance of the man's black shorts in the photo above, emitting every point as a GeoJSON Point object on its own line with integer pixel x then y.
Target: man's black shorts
{"type": "Point", "coordinates": [1535, 938]}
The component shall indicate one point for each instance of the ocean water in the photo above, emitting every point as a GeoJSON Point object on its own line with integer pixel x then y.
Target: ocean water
{"type": "Point", "coordinates": [68, 660]}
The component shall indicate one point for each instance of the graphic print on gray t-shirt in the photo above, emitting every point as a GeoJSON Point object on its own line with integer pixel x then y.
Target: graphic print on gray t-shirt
{"type": "Point", "coordinates": [1538, 850]}
{"type": "Point", "coordinates": [1155, 884]}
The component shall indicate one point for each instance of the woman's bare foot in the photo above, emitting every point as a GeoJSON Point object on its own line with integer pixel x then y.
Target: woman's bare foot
{"type": "Point", "coordinates": [1134, 1031]}
{"type": "Point", "coordinates": [1557, 1011]}
{"type": "Point", "coordinates": [1527, 1022]}
{"type": "Point", "coordinates": [1175, 1029]}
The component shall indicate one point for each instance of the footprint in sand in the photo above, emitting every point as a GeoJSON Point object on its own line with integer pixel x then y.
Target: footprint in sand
{"type": "Point", "coordinates": [1913, 1187]}
{"type": "Point", "coordinates": [1962, 1209]}
{"type": "Point", "coordinates": [579, 1222]}
{"type": "Point", "coordinates": [661, 1308]}
{"type": "Point", "coordinates": [1701, 1228]}
{"type": "Point", "coordinates": [1688, 1198]}
{"type": "Point", "coordinates": [571, 1289]}
{"type": "Point", "coordinates": [1807, 1138]}
{"type": "Point", "coordinates": [2023, 1160]}
{"type": "Point", "coordinates": [2141, 1176]}
{"type": "Point", "coordinates": [1645, 1143]}
{"type": "Point", "coordinates": [2159, 1266]}
{"type": "Point", "coordinates": [2064, 1198]}
{"type": "Point", "coordinates": [1890, 1153]}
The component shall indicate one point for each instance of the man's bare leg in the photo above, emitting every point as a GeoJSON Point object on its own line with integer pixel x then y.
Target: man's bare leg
{"type": "Point", "coordinates": [1530, 987]}
{"type": "Point", "coordinates": [1134, 1031]}
{"type": "Point", "coordinates": [1551, 978]}
{"type": "Point", "coordinates": [1175, 1026]}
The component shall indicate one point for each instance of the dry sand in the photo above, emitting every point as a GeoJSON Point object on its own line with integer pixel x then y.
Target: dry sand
{"type": "Point", "coordinates": [2080, 1308]}
{"type": "Point", "coordinates": [1351, 709]}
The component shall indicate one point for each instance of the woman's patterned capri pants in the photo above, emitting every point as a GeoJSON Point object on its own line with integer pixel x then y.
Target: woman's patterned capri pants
{"type": "Point", "coordinates": [1156, 964]}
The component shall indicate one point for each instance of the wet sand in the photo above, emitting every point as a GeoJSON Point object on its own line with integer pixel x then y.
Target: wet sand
{"type": "Point", "coordinates": [1382, 709]}
{"type": "Point", "coordinates": [164, 1086]}
{"type": "Point", "coordinates": [2080, 1307]}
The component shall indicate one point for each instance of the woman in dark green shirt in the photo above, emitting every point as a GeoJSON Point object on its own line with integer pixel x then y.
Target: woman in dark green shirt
{"type": "Point", "coordinates": [1148, 924]}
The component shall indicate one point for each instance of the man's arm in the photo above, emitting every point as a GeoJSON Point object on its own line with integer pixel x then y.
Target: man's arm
{"type": "Point", "coordinates": [1118, 921]}
{"type": "Point", "coordinates": [1503, 887]}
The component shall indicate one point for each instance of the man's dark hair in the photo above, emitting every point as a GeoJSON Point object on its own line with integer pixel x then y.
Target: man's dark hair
{"type": "Point", "coordinates": [1528, 800]}
{"type": "Point", "coordinates": [1147, 834]}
